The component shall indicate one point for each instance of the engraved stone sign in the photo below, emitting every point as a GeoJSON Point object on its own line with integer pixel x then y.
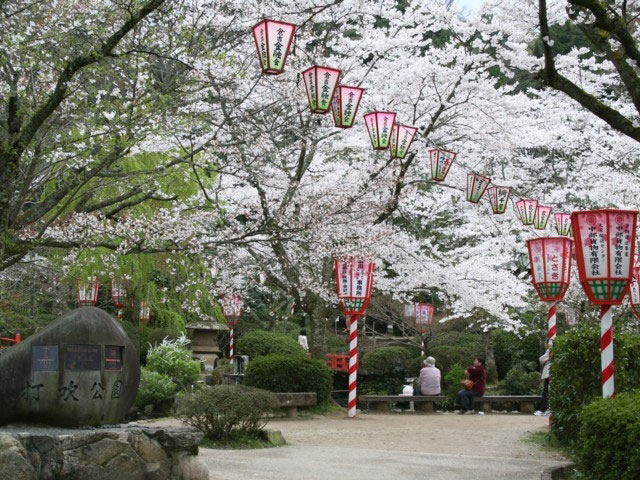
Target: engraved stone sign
{"type": "Point", "coordinates": [112, 357]}
{"type": "Point", "coordinates": [44, 358]}
{"type": "Point", "coordinates": [82, 357]}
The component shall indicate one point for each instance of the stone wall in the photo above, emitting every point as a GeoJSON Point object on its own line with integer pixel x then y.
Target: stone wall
{"type": "Point", "coordinates": [129, 453]}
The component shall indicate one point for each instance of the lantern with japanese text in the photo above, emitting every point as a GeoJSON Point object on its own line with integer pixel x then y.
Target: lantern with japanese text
{"type": "Point", "coordinates": [441, 161]}
{"type": "Point", "coordinates": [232, 309]}
{"type": "Point", "coordinates": [634, 292]}
{"type": "Point", "coordinates": [563, 224]}
{"type": "Point", "coordinates": [379, 127]}
{"type": "Point", "coordinates": [424, 319]}
{"type": "Point", "coordinates": [401, 139]}
{"type": "Point", "coordinates": [273, 41]}
{"type": "Point", "coordinates": [88, 292]}
{"type": "Point", "coordinates": [118, 296]}
{"type": "Point", "coordinates": [320, 83]}
{"type": "Point", "coordinates": [498, 196]}
{"type": "Point", "coordinates": [344, 105]}
{"type": "Point", "coordinates": [145, 311]}
{"type": "Point", "coordinates": [527, 211]}
{"type": "Point", "coordinates": [550, 259]}
{"type": "Point", "coordinates": [354, 283]}
{"type": "Point", "coordinates": [605, 244]}
{"type": "Point", "coordinates": [541, 217]}
{"type": "Point", "coordinates": [476, 185]}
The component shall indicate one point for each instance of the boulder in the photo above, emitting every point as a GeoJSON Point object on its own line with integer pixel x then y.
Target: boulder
{"type": "Point", "coordinates": [14, 463]}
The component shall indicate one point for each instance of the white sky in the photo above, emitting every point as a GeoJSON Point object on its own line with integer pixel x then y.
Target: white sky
{"type": "Point", "coordinates": [470, 4]}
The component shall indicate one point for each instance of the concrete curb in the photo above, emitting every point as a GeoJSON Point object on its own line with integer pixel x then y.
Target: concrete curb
{"type": "Point", "coordinates": [558, 472]}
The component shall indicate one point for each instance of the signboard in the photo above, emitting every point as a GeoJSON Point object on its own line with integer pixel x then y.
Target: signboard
{"type": "Point", "coordinates": [44, 358]}
{"type": "Point", "coordinates": [82, 357]}
{"type": "Point", "coordinates": [113, 357]}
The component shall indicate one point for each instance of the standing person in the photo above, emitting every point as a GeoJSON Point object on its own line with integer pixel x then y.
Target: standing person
{"type": "Point", "coordinates": [302, 340]}
{"type": "Point", "coordinates": [478, 375]}
{"type": "Point", "coordinates": [545, 361]}
{"type": "Point", "coordinates": [429, 380]}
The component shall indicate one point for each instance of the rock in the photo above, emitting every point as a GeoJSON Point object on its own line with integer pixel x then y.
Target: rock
{"type": "Point", "coordinates": [147, 410]}
{"type": "Point", "coordinates": [14, 464]}
{"type": "Point", "coordinates": [274, 437]}
{"type": "Point", "coordinates": [157, 463]}
{"type": "Point", "coordinates": [192, 468]}
{"type": "Point", "coordinates": [80, 370]}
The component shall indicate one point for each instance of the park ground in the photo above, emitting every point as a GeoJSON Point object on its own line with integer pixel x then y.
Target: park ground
{"type": "Point", "coordinates": [442, 446]}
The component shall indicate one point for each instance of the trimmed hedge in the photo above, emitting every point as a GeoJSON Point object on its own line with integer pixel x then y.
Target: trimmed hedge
{"type": "Point", "coordinates": [609, 436]}
{"type": "Point", "coordinates": [575, 371]}
{"type": "Point", "coordinates": [282, 373]}
{"type": "Point", "coordinates": [522, 381]}
{"type": "Point", "coordinates": [155, 389]}
{"type": "Point", "coordinates": [259, 343]}
{"type": "Point", "coordinates": [384, 370]}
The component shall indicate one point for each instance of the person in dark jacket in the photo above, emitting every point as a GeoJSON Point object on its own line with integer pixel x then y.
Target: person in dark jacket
{"type": "Point", "coordinates": [478, 375]}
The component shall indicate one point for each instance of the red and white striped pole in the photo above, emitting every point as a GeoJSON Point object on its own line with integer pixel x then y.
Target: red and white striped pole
{"type": "Point", "coordinates": [353, 364]}
{"type": "Point", "coordinates": [606, 351]}
{"type": "Point", "coordinates": [551, 319]}
{"type": "Point", "coordinates": [231, 346]}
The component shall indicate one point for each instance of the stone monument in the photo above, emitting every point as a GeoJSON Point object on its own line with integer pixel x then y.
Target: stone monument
{"type": "Point", "coordinates": [82, 370]}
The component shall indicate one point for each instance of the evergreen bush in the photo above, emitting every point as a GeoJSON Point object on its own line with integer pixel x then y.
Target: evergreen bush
{"type": "Point", "coordinates": [173, 358]}
{"type": "Point", "coordinates": [384, 370]}
{"type": "Point", "coordinates": [155, 389]}
{"type": "Point", "coordinates": [286, 373]}
{"type": "Point", "coordinates": [520, 380]}
{"type": "Point", "coordinates": [451, 383]}
{"type": "Point", "coordinates": [260, 342]}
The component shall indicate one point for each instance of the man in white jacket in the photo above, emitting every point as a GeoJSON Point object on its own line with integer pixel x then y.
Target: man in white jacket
{"type": "Point", "coordinates": [545, 361]}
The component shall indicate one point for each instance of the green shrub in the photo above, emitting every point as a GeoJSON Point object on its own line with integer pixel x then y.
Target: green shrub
{"type": "Point", "coordinates": [451, 383]}
{"type": "Point", "coordinates": [609, 436]}
{"type": "Point", "coordinates": [575, 370]}
{"type": "Point", "coordinates": [283, 373]}
{"type": "Point", "coordinates": [155, 389]}
{"type": "Point", "coordinates": [259, 343]}
{"type": "Point", "coordinates": [510, 349]}
{"type": "Point", "coordinates": [173, 358]}
{"type": "Point", "coordinates": [521, 381]}
{"type": "Point", "coordinates": [227, 411]}
{"type": "Point", "coordinates": [384, 370]}
{"type": "Point", "coordinates": [461, 348]}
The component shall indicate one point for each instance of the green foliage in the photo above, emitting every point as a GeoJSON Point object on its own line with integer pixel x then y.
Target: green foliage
{"type": "Point", "coordinates": [155, 389]}
{"type": "Point", "coordinates": [455, 348]}
{"type": "Point", "coordinates": [609, 436]}
{"type": "Point", "coordinates": [259, 343]}
{"type": "Point", "coordinates": [521, 381]}
{"type": "Point", "coordinates": [286, 373]}
{"type": "Point", "coordinates": [384, 370]}
{"type": "Point", "coordinates": [227, 411]}
{"type": "Point", "coordinates": [575, 369]}
{"type": "Point", "coordinates": [173, 358]}
{"type": "Point", "coordinates": [451, 382]}
{"type": "Point", "coordinates": [509, 349]}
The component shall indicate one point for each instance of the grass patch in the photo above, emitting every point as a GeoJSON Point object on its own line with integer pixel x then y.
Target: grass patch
{"type": "Point", "coordinates": [242, 442]}
{"type": "Point", "coordinates": [544, 441]}
{"type": "Point", "coordinates": [326, 408]}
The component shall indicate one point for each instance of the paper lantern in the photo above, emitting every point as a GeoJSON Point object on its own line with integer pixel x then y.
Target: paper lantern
{"type": "Point", "coordinates": [379, 127]}
{"type": "Point", "coordinates": [605, 242]}
{"type": "Point", "coordinates": [320, 83]}
{"type": "Point", "coordinates": [634, 292]}
{"type": "Point", "coordinates": [118, 296]}
{"type": "Point", "coordinates": [354, 283]}
{"type": "Point", "coordinates": [88, 292]}
{"type": "Point", "coordinates": [498, 196]}
{"type": "Point", "coordinates": [273, 40]}
{"type": "Point", "coordinates": [344, 105]}
{"type": "Point", "coordinates": [441, 161]}
{"type": "Point", "coordinates": [563, 223]}
{"type": "Point", "coordinates": [527, 211]}
{"type": "Point", "coordinates": [550, 259]}
{"type": "Point", "coordinates": [231, 308]}
{"type": "Point", "coordinates": [541, 217]}
{"type": "Point", "coordinates": [476, 185]}
{"type": "Point", "coordinates": [424, 315]}
{"type": "Point", "coordinates": [401, 139]}
{"type": "Point", "coordinates": [145, 311]}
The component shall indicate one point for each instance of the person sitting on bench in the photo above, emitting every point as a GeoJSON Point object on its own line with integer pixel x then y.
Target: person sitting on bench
{"type": "Point", "coordinates": [478, 375]}
{"type": "Point", "coordinates": [429, 381]}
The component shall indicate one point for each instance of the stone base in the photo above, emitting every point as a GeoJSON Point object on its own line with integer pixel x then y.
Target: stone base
{"type": "Point", "coordinates": [131, 452]}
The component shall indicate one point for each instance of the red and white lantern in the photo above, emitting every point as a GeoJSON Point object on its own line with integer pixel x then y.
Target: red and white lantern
{"type": "Point", "coordinates": [379, 127]}
{"type": "Point", "coordinates": [527, 211]}
{"type": "Point", "coordinates": [344, 105]}
{"type": "Point", "coordinates": [541, 217]}
{"type": "Point", "coordinates": [634, 292]}
{"type": "Point", "coordinates": [320, 83]}
{"type": "Point", "coordinates": [118, 296]}
{"type": "Point", "coordinates": [354, 283]}
{"type": "Point", "coordinates": [605, 242]}
{"type": "Point", "coordinates": [498, 196]}
{"type": "Point", "coordinates": [232, 309]}
{"type": "Point", "coordinates": [88, 292]}
{"type": "Point", "coordinates": [563, 224]}
{"type": "Point", "coordinates": [441, 161]}
{"type": "Point", "coordinates": [424, 319]}
{"type": "Point", "coordinates": [476, 186]}
{"type": "Point", "coordinates": [401, 138]}
{"type": "Point", "coordinates": [273, 41]}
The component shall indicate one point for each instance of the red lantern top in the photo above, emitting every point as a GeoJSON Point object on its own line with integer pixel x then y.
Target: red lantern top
{"type": "Point", "coordinates": [476, 185]}
{"type": "Point", "coordinates": [527, 211]}
{"type": "Point", "coordinates": [320, 83]}
{"type": "Point", "coordinates": [424, 315]}
{"type": "Point", "coordinates": [344, 106]}
{"type": "Point", "coordinates": [273, 40]}
{"type": "Point", "coordinates": [379, 127]}
{"type": "Point", "coordinates": [563, 223]}
{"type": "Point", "coordinates": [232, 308]}
{"type": "Point", "coordinates": [88, 292]}
{"type": "Point", "coordinates": [401, 139]}
{"type": "Point", "coordinates": [634, 292]}
{"type": "Point", "coordinates": [498, 196]}
{"type": "Point", "coordinates": [550, 259]}
{"type": "Point", "coordinates": [354, 283]}
{"type": "Point", "coordinates": [605, 242]}
{"type": "Point", "coordinates": [118, 293]}
{"type": "Point", "coordinates": [541, 217]}
{"type": "Point", "coordinates": [441, 161]}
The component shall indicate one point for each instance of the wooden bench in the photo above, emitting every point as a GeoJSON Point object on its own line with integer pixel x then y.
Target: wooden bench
{"type": "Point", "coordinates": [291, 401]}
{"type": "Point", "coordinates": [421, 403]}
{"type": "Point", "coordinates": [526, 402]}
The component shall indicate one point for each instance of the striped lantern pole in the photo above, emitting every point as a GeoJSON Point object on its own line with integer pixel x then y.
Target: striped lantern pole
{"type": "Point", "coordinates": [231, 346]}
{"type": "Point", "coordinates": [551, 318]}
{"type": "Point", "coordinates": [232, 309]}
{"type": "Point", "coordinates": [353, 365]}
{"type": "Point", "coordinates": [606, 351]}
